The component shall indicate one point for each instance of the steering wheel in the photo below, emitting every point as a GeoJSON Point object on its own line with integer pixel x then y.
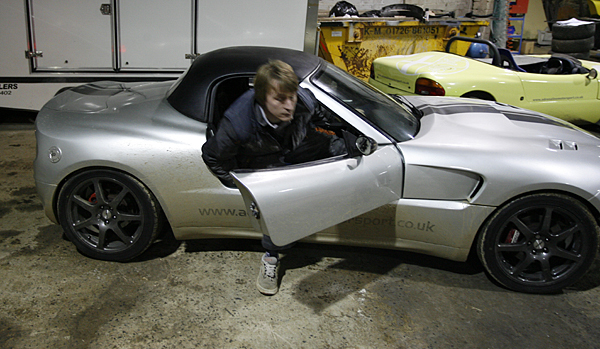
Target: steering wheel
{"type": "Point", "coordinates": [553, 66]}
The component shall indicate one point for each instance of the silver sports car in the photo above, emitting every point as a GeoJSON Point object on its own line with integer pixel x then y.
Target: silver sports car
{"type": "Point", "coordinates": [118, 163]}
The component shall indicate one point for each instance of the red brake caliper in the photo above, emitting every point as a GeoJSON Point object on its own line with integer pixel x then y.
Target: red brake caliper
{"type": "Point", "coordinates": [513, 236]}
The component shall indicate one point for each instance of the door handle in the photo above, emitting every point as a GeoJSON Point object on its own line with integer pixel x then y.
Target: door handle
{"type": "Point", "coordinates": [106, 9]}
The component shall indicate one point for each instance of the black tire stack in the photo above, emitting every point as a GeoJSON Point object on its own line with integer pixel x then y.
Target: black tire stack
{"type": "Point", "coordinates": [573, 40]}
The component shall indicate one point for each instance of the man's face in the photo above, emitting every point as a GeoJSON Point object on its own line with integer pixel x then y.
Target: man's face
{"type": "Point", "coordinates": [280, 105]}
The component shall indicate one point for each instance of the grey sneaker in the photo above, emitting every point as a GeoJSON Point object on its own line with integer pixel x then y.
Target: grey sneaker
{"type": "Point", "coordinates": [267, 278]}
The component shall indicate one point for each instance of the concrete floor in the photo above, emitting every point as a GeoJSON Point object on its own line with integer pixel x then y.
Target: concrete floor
{"type": "Point", "coordinates": [201, 294]}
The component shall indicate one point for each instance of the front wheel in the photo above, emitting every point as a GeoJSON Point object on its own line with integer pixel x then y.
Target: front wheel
{"type": "Point", "coordinates": [108, 215]}
{"type": "Point", "coordinates": [540, 243]}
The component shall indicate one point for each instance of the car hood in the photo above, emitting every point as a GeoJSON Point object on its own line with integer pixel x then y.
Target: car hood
{"type": "Point", "coordinates": [474, 121]}
{"type": "Point", "coordinates": [106, 96]}
{"type": "Point", "coordinates": [497, 149]}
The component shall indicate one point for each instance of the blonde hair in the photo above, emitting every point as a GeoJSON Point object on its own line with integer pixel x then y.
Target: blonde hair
{"type": "Point", "coordinates": [275, 74]}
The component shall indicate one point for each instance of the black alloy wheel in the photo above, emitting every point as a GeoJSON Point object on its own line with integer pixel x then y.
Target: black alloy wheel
{"type": "Point", "coordinates": [108, 215]}
{"type": "Point", "coordinates": [540, 243]}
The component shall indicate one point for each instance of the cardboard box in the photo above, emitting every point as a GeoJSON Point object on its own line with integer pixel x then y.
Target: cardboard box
{"type": "Point", "coordinates": [527, 47]}
{"type": "Point", "coordinates": [544, 38]}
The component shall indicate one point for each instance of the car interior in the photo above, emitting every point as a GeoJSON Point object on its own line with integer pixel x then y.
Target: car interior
{"type": "Point", "coordinates": [230, 89]}
{"type": "Point", "coordinates": [555, 65]}
{"type": "Point", "coordinates": [485, 51]}
{"type": "Point", "coordinates": [223, 95]}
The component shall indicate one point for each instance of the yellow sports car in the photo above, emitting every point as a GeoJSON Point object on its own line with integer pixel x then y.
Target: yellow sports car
{"type": "Point", "coordinates": [557, 85]}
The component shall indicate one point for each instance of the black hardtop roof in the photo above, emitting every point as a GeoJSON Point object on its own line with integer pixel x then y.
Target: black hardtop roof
{"type": "Point", "coordinates": [190, 97]}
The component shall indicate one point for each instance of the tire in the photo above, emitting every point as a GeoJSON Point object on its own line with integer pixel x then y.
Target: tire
{"type": "Point", "coordinates": [540, 243]}
{"type": "Point", "coordinates": [577, 55]}
{"type": "Point", "coordinates": [570, 32]}
{"type": "Point", "coordinates": [567, 46]}
{"type": "Point", "coordinates": [108, 215]}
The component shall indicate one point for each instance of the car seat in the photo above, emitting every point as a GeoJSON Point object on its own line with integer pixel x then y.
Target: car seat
{"type": "Point", "coordinates": [225, 94]}
{"type": "Point", "coordinates": [507, 57]}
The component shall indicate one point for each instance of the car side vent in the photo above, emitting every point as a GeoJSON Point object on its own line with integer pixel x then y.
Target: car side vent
{"type": "Point", "coordinates": [557, 144]}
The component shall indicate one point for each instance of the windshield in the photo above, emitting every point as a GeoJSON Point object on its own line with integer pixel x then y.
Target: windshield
{"type": "Point", "coordinates": [382, 111]}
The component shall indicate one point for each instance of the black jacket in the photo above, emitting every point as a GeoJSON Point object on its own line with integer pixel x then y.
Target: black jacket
{"type": "Point", "coordinates": [244, 140]}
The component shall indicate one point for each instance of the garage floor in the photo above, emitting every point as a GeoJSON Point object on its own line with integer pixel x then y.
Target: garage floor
{"type": "Point", "coordinates": [196, 294]}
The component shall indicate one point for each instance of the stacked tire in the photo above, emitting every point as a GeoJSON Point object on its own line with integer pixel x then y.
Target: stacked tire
{"type": "Point", "coordinates": [574, 38]}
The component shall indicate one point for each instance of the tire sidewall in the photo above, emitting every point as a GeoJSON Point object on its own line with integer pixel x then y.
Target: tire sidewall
{"type": "Point", "coordinates": [569, 46]}
{"type": "Point", "coordinates": [573, 32]}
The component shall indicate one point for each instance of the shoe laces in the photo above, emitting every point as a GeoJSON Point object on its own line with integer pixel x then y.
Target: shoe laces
{"type": "Point", "coordinates": [270, 270]}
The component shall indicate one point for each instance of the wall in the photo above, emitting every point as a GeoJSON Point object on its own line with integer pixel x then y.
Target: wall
{"type": "Point", "coordinates": [460, 6]}
{"type": "Point", "coordinates": [535, 20]}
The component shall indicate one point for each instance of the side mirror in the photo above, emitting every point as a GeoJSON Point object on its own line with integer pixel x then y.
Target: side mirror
{"type": "Point", "coordinates": [359, 146]}
{"type": "Point", "coordinates": [592, 74]}
{"type": "Point", "coordinates": [365, 145]}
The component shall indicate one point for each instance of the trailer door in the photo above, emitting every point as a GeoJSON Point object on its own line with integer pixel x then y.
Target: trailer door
{"type": "Point", "coordinates": [155, 34]}
{"type": "Point", "coordinates": [110, 35]}
{"type": "Point", "coordinates": [281, 23]}
{"type": "Point", "coordinates": [69, 35]}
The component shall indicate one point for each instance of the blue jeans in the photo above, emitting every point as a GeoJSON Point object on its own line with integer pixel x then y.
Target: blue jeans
{"type": "Point", "coordinates": [273, 249]}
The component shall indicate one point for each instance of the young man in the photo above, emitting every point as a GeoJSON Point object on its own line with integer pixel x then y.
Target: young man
{"type": "Point", "coordinates": [266, 127]}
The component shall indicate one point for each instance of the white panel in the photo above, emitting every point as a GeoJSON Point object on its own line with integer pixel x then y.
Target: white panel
{"type": "Point", "coordinates": [72, 34]}
{"type": "Point", "coordinates": [225, 23]}
{"type": "Point", "coordinates": [155, 33]}
{"type": "Point", "coordinates": [13, 39]}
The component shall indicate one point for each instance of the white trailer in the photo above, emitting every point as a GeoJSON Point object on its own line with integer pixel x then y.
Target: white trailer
{"type": "Point", "coordinates": [50, 44]}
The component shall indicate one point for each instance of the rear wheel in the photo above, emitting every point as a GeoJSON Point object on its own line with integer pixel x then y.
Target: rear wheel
{"type": "Point", "coordinates": [108, 215]}
{"type": "Point", "coordinates": [539, 243]}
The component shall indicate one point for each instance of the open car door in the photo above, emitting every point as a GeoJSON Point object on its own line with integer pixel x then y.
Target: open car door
{"type": "Point", "coordinates": [292, 202]}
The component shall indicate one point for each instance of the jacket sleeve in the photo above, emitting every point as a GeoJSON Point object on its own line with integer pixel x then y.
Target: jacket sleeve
{"type": "Point", "coordinates": [220, 151]}
{"type": "Point", "coordinates": [314, 108]}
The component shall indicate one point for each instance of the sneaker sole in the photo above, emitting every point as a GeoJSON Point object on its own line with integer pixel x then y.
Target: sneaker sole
{"type": "Point", "coordinates": [265, 291]}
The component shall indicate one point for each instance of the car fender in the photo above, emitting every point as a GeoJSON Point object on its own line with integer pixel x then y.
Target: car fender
{"type": "Point", "coordinates": [163, 154]}
{"type": "Point", "coordinates": [503, 84]}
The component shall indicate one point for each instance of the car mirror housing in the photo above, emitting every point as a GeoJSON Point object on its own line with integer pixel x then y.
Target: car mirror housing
{"type": "Point", "coordinates": [366, 145]}
{"type": "Point", "coordinates": [592, 74]}
{"type": "Point", "coordinates": [359, 145]}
